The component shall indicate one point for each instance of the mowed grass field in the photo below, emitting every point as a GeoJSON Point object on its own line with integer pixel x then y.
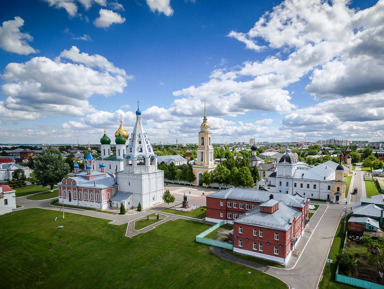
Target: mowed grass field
{"type": "Point", "coordinates": [371, 189]}
{"type": "Point", "coordinates": [31, 189]}
{"type": "Point", "coordinates": [90, 253]}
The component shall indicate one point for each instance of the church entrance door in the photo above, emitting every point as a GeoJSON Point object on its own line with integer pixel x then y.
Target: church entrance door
{"type": "Point", "coordinates": [70, 196]}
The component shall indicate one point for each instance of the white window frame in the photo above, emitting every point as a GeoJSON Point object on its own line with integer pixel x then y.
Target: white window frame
{"type": "Point", "coordinates": [221, 214]}
{"type": "Point", "coordinates": [229, 204]}
{"type": "Point", "coordinates": [221, 203]}
{"type": "Point", "coordinates": [240, 243]}
{"type": "Point", "coordinates": [276, 236]}
{"type": "Point", "coordinates": [247, 206]}
{"type": "Point", "coordinates": [276, 251]}
{"type": "Point", "coordinates": [261, 233]}
{"type": "Point", "coordinates": [255, 232]}
{"type": "Point", "coordinates": [261, 247]}
{"type": "Point", "coordinates": [235, 205]}
{"type": "Point", "coordinates": [229, 215]}
{"type": "Point", "coordinates": [240, 230]}
{"type": "Point", "coordinates": [241, 206]}
{"type": "Point", "coordinates": [254, 246]}
{"type": "Point", "coordinates": [234, 215]}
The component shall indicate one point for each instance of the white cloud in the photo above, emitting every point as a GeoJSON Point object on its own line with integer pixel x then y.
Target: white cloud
{"type": "Point", "coordinates": [116, 6]}
{"type": "Point", "coordinates": [107, 18]}
{"type": "Point", "coordinates": [345, 118]}
{"type": "Point", "coordinates": [43, 87]}
{"type": "Point", "coordinates": [85, 37]}
{"type": "Point", "coordinates": [162, 6]}
{"type": "Point", "coordinates": [71, 5]}
{"type": "Point", "coordinates": [12, 40]}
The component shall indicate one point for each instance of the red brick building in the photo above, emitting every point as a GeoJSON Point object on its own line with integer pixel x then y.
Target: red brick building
{"type": "Point", "coordinates": [266, 225]}
{"type": "Point", "coordinates": [228, 205]}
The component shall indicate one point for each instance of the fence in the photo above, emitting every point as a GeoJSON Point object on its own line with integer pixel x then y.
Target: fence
{"type": "Point", "coordinates": [381, 190]}
{"type": "Point", "coordinates": [200, 238]}
{"type": "Point", "coordinates": [356, 282]}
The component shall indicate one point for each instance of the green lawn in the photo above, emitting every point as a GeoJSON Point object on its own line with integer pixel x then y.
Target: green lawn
{"type": "Point", "coordinates": [44, 196]}
{"type": "Point", "coordinates": [348, 180]}
{"type": "Point", "coordinates": [328, 281]}
{"type": "Point", "coordinates": [142, 223]}
{"type": "Point", "coordinates": [27, 190]}
{"type": "Point", "coordinates": [90, 253]}
{"type": "Point", "coordinates": [365, 169]}
{"type": "Point", "coordinates": [196, 213]}
{"type": "Point", "coordinates": [371, 189]}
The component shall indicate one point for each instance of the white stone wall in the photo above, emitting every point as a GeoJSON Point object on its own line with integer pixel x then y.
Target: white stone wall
{"type": "Point", "coordinates": [7, 203]}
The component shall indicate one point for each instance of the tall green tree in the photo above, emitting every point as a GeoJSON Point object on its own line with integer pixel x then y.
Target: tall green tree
{"type": "Point", "coordinates": [49, 167]}
{"type": "Point", "coordinates": [207, 178]}
{"type": "Point", "coordinates": [19, 177]}
{"type": "Point", "coordinates": [168, 197]}
{"type": "Point", "coordinates": [255, 174]}
{"type": "Point", "coordinates": [245, 177]}
{"type": "Point", "coordinates": [69, 161]}
{"type": "Point", "coordinates": [367, 152]}
{"type": "Point", "coordinates": [221, 175]}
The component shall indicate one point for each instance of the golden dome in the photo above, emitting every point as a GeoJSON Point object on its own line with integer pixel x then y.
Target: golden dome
{"type": "Point", "coordinates": [122, 131]}
{"type": "Point", "coordinates": [205, 124]}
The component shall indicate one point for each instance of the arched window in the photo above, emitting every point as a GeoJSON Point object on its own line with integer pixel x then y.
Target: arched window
{"type": "Point", "coordinates": [91, 196]}
{"type": "Point", "coordinates": [153, 160]}
{"type": "Point", "coordinates": [202, 141]}
{"type": "Point", "coordinates": [97, 197]}
{"type": "Point", "coordinates": [64, 194]}
{"type": "Point", "coordinates": [79, 195]}
{"type": "Point", "coordinates": [129, 160]}
{"type": "Point", "coordinates": [74, 195]}
{"type": "Point", "coordinates": [270, 196]}
{"type": "Point", "coordinates": [209, 140]}
{"type": "Point", "coordinates": [85, 196]}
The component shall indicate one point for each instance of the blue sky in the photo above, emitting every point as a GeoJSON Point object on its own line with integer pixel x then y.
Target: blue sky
{"type": "Point", "coordinates": [273, 70]}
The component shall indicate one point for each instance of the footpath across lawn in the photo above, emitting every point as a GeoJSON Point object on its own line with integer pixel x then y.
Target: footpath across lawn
{"type": "Point", "coordinates": [198, 213]}
{"type": "Point", "coordinates": [27, 190]}
{"type": "Point", "coordinates": [44, 196]}
{"type": "Point", "coordinates": [90, 253]}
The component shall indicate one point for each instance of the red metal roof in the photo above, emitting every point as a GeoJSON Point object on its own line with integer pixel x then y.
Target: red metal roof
{"type": "Point", "coordinates": [5, 160]}
{"type": "Point", "coordinates": [6, 188]}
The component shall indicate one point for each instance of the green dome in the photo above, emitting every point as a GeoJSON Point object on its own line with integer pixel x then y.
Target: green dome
{"type": "Point", "coordinates": [105, 140]}
{"type": "Point", "coordinates": [120, 140]}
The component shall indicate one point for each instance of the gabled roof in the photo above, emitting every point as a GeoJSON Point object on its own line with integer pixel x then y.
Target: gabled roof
{"type": "Point", "coordinates": [170, 158]}
{"type": "Point", "coordinates": [377, 200]}
{"type": "Point", "coordinates": [370, 210]}
{"type": "Point", "coordinates": [5, 160]}
{"type": "Point", "coordinates": [321, 172]}
{"type": "Point", "coordinates": [281, 219]}
{"type": "Point", "coordinates": [121, 196]}
{"type": "Point", "coordinates": [267, 166]}
{"type": "Point", "coordinates": [102, 182]}
{"type": "Point", "coordinates": [364, 220]}
{"type": "Point", "coordinates": [258, 196]}
{"type": "Point", "coordinates": [6, 188]}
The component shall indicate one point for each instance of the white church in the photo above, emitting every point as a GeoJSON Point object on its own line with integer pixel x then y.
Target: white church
{"type": "Point", "coordinates": [139, 181]}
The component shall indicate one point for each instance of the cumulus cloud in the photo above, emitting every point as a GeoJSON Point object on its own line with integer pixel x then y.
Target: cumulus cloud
{"type": "Point", "coordinates": [107, 18]}
{"type": "Point", "coordinates": [161, 6]}
{"type": "Point", "coordinates": [348, 118]}
{"type": "Point", "coordinates": [43, 86]}
{"type": "Point", "coordinates": [71, 6]}
{"type": "Point", "coordinates": [12, 40]}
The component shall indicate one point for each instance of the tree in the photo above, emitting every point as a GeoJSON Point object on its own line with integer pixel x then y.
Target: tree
{"type": "Point", "coordinates": [171, 173]}
{"type": "Point", "coordinates": [207, 178]}
{"type": "Point", "coordinates": [369, 161]}
{"type": "Point", "coordinates": [255, 174]}
{"type": "Point", "coordinates": [139, 209]}
{"type": "Point", "coordinates": [69, 161]}
{"type": "Point", "coordinates": [355, 157]}
{"type": "Point", "coordinates": [168, 198]}
{"type": "Point", "coordinates": [367, 152]}
{"type": "Point", "coordinates": [122, 209]}
{"type": "Point", "coordinates": [18, 177]}
{"type": "Point", "coordinates": [245, 177]}
{"type": "Point", "coordinates": [221, 175]}
{"type": "Point", "coordinates": [49, 167]}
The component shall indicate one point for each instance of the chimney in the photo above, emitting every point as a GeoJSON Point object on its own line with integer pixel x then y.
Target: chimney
{"type": "Point", "coordinates": [94, 184]}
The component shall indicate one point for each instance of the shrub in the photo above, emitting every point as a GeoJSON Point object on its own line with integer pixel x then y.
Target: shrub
{"type": "Point", "coordinates": [122, 209]}
{"type": "Point", "coordinates": [139, 207]}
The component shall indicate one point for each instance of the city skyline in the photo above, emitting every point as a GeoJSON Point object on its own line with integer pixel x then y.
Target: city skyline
{"type": "Point", "coordinates": [280, 71]}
